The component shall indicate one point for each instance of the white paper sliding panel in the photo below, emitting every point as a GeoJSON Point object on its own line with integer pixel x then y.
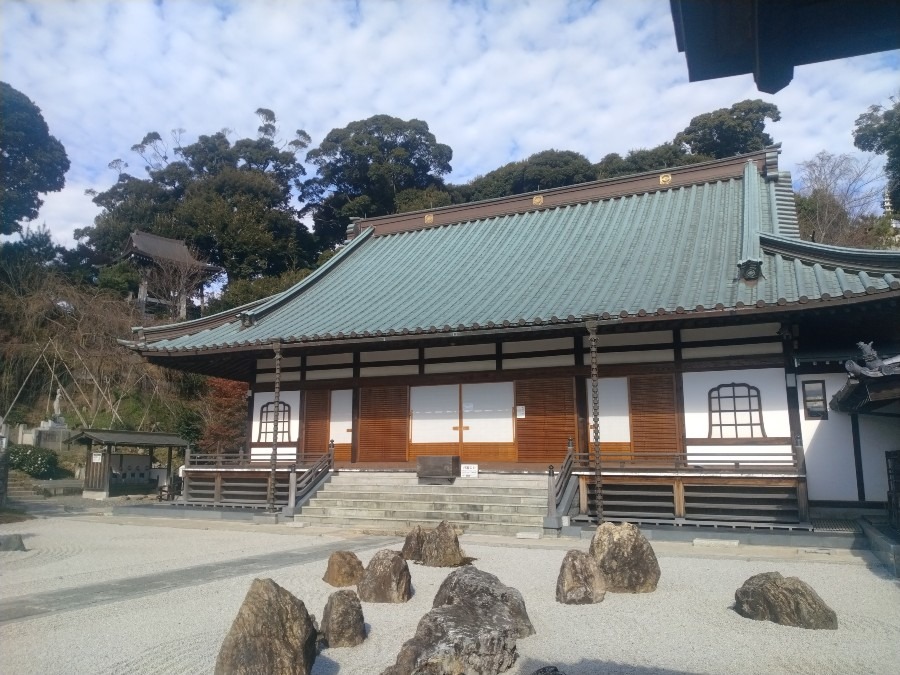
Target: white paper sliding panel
{"type": "Point", "coordinates": [435, 414]}
{"type": "Point", "coordinates": [488, 412]}
{"type": "Point", "coordinates": [712, 456]}
{"type": "Point", "coordinates": [615, 425]}
{"type": "Point", "coordinates": [341, 424]}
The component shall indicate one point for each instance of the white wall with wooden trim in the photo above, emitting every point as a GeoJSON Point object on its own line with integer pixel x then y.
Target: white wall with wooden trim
{"type": "Point", "coordinates": [286, 451]}
{"type": "Point", "coordinates": [828, 446]}
{"type": "Point", "coordinates": [877, 436]}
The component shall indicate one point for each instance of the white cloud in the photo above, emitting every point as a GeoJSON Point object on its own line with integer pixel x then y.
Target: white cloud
{"type": "Point", "coordinates": [495, 81]}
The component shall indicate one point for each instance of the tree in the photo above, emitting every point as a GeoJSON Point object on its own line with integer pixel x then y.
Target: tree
{"type": "Point", "coordinates": [730, 131]}
{"type": "Point", "coordinates": [836, 195]}
{"type": "Point", "coordinates": [231, 202]}
{"type": "Point", "coordinates": [223, 410]}
{"type": "Point", "coordinates": [32, 162]}
{"type": "Point", "coordinates": [363, 168]}
{"type": "Point", "coordinates": [878, 131]}
{"type": "Point", "coordinates": [665, 156]}
{"type": "Point", "coordinates": [541, 171]}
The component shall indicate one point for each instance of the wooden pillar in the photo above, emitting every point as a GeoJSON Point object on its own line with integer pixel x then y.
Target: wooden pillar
{"type": "Point", "coordinates": [169, 467]}
{"type": "Point", "coordinates": [793, 402]}
{"type": "Point", "coordinates": [217, 489]}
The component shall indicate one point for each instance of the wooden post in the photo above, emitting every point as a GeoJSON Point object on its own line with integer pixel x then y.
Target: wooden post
{"type": "Point", "coordinates": [217, 489]}
{"type": "Point", "coordinates": [169, 468]}
{"type": "Point", "coordinates": [185, 478]}
{"type": "Point", "coordinates": [292, 487]}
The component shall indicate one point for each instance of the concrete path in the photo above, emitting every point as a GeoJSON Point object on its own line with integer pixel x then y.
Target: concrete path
{"type": "Point", "coordinates": [64, 600]}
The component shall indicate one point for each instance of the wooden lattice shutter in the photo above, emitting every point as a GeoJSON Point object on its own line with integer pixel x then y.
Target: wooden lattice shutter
{"type": "Point", "coordinates": [315, 424]}
{"type": "Point", "coordinates": [549, 420]}
{"type": "Point", "coordinates": [383, 424]}
{"type": "Point", "coordinates": [654, 423]}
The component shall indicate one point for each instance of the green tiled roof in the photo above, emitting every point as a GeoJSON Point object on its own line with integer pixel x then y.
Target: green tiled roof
{"type": "Point", "coordinates": [666, 252]}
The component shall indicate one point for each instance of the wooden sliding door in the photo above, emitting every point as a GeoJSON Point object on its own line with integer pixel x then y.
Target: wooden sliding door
{"type": "Point", "coordinates": [547, 419]}
{"type": "Point", "coordinates": [383, 424]}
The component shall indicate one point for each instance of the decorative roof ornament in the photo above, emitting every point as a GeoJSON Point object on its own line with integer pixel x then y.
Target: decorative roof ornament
{"type": "Point", "coordinates": [875, 365]}
{"type": "Point", "coordinates": [749, 270]}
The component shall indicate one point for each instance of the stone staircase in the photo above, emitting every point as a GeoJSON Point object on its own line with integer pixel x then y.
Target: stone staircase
{"type": "Point", "coordinates": [21, 489]}
{"type": "Point", "coordinates": [395, 502]}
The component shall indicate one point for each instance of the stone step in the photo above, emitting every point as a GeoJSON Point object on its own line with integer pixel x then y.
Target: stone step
{"type": "Point", "coordinates": [493, 510]}
{"type": "Point", "coordinates": [401, 527]}
{"type": "Point", "coordinates": [341, 486]}
{"type": "Point", "coordinates": [410, 478]}
{"type": "Point", "coordinates": [454, 498]}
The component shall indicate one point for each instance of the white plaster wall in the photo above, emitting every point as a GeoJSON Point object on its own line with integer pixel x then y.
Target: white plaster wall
{"type": "Point", "coordinates": [715, 455]}
{"type": "Point", "coordinates": [292, 398]}
{"type": "Point", "coordinates": [772, 391]}
{"type": "Point", "coordinates": [877, 435]}
{"type": "Point", "coordinates": [391, 355]}
{"type": "Point", "coordinates": [539, 362]}
{"type": "Point", "coordinates": [828, 447]}
{"type": "Point", "coordinates": [615, 423]}
{"type": "Point", "coordinates": [536, 345]}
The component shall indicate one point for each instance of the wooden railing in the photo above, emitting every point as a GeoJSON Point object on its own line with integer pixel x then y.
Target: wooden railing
{"type": "Point", "coordinates": [687, 462]}
{"type": "Point", "coordinates": [237, 460]}
{"type": "Point", "coordinates": [310, 479]}
{"type": "Point", "coordinates": [556, 487]}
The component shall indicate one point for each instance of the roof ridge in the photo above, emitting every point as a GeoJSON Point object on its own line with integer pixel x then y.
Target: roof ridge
{"type": "Point", "coordinates": [657, 180]}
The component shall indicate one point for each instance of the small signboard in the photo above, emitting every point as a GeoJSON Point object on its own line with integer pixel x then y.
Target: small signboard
{"type": "Point", "coordinates": [468, 471]}
{"type": "Point", "coordinates": [97, 457]}
{"type": "Point", "coordinates": [520, 412]}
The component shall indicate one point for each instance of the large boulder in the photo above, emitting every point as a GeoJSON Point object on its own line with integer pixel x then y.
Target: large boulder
{"type": "Point", "coordinates": [580, 580]}
{"type": "Point", "coordinates": [461, 639]}
{"type": "Point", "coordinates": [344, 569]}
{"type": "Point", "coordinates": [626, 558]}
{"type": "Point", "coordinates": [412, 546]}
{"type": "Point", "coordinates": [440, 547]}
{"type": "Point", "coordinates": [471, 586]}
{"type": "Point", "coordinates": [784, 600]}
{"type": "Point", "coordinates": [272, 633]}
{"type": "Point", "coordinates": [342, 620]}
{"type": "Point", "coordinates": [386, 579]}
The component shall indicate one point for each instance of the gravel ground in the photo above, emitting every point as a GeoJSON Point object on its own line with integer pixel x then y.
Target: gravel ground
{"type": "Point", "coordinates": [686, 626]}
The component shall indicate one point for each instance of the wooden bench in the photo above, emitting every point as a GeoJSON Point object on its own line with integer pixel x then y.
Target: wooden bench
{"type": "Point", "coordinates": [437, 469]}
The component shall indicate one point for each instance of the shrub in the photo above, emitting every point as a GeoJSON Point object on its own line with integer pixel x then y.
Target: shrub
{"type": "Point", "coordinates": [36, 462]}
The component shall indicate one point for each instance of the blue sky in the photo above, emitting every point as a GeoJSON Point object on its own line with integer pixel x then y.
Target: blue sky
{"type": "Point", "coordinates": [496, 81]}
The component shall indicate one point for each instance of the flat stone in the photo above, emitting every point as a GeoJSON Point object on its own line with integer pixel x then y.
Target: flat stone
{"type": "Point", "coordinates": [12, 542]}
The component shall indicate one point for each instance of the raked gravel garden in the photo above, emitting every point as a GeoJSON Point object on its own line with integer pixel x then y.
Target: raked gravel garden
{"type": "Point", "coordinates": [102, 595]}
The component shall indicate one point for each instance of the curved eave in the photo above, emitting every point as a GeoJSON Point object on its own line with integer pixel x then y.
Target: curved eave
{"type": "Point", "coordinates": [884, 262]}
{"type": "Point", "coordinates": [476, 331]}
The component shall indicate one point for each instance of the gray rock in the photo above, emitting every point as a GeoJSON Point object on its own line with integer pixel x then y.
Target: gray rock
{"type": "Point", "coordinates": [784, 600]}
{"type": "Point", "coordinates": [342, 620]}
{"type": "Point", "coordinates": [626, 558]}
{"type": "Point", "coordinates": [548, 670]}
{"type": "Point", "coordinates": [386, 579]}
{"type": "Point", "coordinates": [580, 580]}
{"type": "Point", "coordinates": [464, 639]}
{"type": "Point", "coordinates": [471, 586]}
{"type": "Point", "coordinates": [272, 633]}
{"type": "Point", "coordinates": [440, 547]}
{"type": "Point", "coordinates": [344, 569]}
{"type": "Point", "coordinates": [12, 542]}
{"type": "Point", "coordinates": [412, 547]}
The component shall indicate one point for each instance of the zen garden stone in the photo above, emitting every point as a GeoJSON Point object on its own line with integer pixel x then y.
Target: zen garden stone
{"type": "Point", "coordinates": [580, 580]}
{"type": "Point", "coordinates": [272, 633]}
{"type": "Point", "coordinates": [386, 579]}
{"type": "Point", "coordinates": [626, 558]}
{"type": "Point", "coordinates": [784, 600]}
{"type": "Point", "coordinates": [344, 569]}
{"type": "Point", "coordinates": [434, 548]}
{"type": "Point", "coordinates": [342, 620]}
{"type": "Point", "coordinates": [12, 542]}
{"type": "Point", "coordinates": [472, 628]}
